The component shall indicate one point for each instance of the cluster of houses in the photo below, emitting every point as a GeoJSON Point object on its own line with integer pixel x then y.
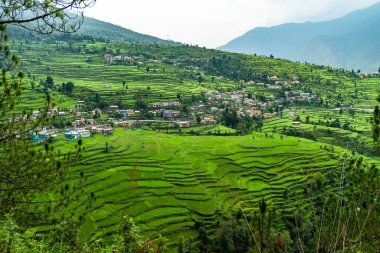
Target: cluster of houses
{"type": "Point", "coordinates": [189, 62]}
{"type": "Point", "coordinates": [166, 104]}
{"type": "Point", "coordinates": [185, 62]}
{"type": "Point", "coordinates": [274, 83]}
{"type": "Point", "coordinates": [245, 103]}
{"type": "Point", "coordinates": [86, 132]}
{"type": "Point", "coordinates": [235, 99]}
{"type": "Point", "coordinates": [77, 133]}
{"type": "Point", "coordinates": [45, 135]}
{"type": "Point", "coordinates": [42, 135]}
{"type": "Point", "coordinates": [209, 120]}
{"type": "Point", "coordinates": [125, 58]}
{"type": "Point", "coordinates": [164, 109]}
{"type": "Point", "coordinates": [299, 96]}
{"type": "Point", "coordinates": [37, 114]}
{"type": "Point", "coordinates": [207, 113]}
{"type": "Point", "coordinates": [278, 84]}
{"type": "Point", "coordinates": [82, 122]}
{"type": "Point", "coordinates": [114, 59]}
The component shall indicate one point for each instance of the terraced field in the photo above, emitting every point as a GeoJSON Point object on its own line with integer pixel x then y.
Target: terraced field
{"type": "Point", "coordinates": [33, 100]}
{"type": "Point", "coordinates": [356, 137]}
{"type": "Point", "coordinates": [164, 81]}
{"type": "Point", "coordinates": [168, 182]}
{"type": "Point", "coordinates": [368, 90]}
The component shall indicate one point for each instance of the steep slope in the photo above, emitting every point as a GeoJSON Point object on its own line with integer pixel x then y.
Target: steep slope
{"type": "Point", "coordinates": [96, 28]}
{"type": "Point", "coordinates": [338, 42]}
{"type": "Point", "coordinates": [356, 50]}
{"type": "Point", "coordinates": [102, 30]}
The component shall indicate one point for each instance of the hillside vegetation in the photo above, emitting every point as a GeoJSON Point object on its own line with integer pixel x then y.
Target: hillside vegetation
{"type": "Point", "coordinates": [311, 122]}
{"type": "Point", "coordinates": [102, 31]}
{"type": "Point", "coordinates": [170, 183]}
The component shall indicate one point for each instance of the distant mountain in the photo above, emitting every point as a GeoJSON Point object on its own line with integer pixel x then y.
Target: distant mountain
{"type": "Point", "coordinates": [103, 30]}
{"type": "Point", "coordinates": [351, 42]}
{"type": "Point", "coordinates": [96, 28]}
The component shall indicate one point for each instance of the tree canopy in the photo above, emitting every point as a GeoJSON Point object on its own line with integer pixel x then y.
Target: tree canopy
{"type": "Point", "coordinates": [26, 171]}
{"type": "Point", "coordinates": [44, 16]}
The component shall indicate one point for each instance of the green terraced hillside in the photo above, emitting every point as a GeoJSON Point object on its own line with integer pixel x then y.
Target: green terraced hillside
{"type": "Point", "coordinates": [168, 182]}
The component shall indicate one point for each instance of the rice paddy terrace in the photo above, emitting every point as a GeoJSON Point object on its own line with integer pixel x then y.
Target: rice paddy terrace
{"type": "Point", "coordinates": [168, 182]}
{"type": "Point", "coordinates": [90, 74]}
{"type": "Point", "coordinates": [84, 65]}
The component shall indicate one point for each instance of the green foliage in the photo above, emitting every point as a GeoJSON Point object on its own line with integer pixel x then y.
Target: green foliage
{"type": "Point", "coordinates": [52, 16]}
{"type": "Point", "coordinates": [49, 81]}
{"type": "Point", "coordinates": [64, 238]}
{"type": "Point", "coordinates": [20, 180]}
{"type": "Point", "coordinates": [67, 87]}
{"type": "Point", "coordinates": [233, 236]}
{"type": "Point", "coordinates": [375, 121]}
{"type": "Point", "coordinates": [230, 118]}
{"type": "Point", "coordinates": [345, 221]}
{"type": "Point", "coordinates": [180, 184]}
{"type": "Point", "coordinates": [30, 176]}
{"type": "Point", "coordinates": [93, 28]}
{"type": "Point", "coordinates": [13, 239]}
{"type": "Point", "coordinates": [145, 170]}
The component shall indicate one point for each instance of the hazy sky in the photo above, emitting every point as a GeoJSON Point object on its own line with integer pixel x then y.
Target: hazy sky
{"type": "Point", "coordinates": [213, 23]}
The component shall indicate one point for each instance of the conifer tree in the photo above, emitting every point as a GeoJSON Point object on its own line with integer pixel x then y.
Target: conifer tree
{"type": "Point", "coordinates": [26, 171]}
{"type": "Point", "coordinates": [375, 121]}
{"type": "Point", "coordinates": [44, 16]}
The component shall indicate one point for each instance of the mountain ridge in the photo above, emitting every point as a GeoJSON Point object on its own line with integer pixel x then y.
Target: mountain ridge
{"type": "Point", "coordinates": [114, 32]}
{"type": "Point", "coordinates": [294, 41]}
{"type": "Point", "coordinates": [101, 30]}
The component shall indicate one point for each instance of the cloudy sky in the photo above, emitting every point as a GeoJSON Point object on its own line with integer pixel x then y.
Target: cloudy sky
{"type": "Point", "coordinates": [213, 23]}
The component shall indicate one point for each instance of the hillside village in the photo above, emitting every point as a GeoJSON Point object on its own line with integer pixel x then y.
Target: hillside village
{"type": "Point", "coordinates": [116, 141]}
{"type": "Point", "coordinates": [85, 124]}
{"type": "Point", "coordinates": [280, 94]}
{"type": "Point", "coordinates": [265, 97]}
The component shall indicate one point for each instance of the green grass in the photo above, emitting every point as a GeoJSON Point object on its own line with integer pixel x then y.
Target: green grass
{"type": "Point", "coordinates": [41, 61]}
{"type": "Point", "coordinates": [357, 138]}
{"type": "Point", "coordinates": [89, 72]}
{"type": "Point", "coordinates": [168, 182]}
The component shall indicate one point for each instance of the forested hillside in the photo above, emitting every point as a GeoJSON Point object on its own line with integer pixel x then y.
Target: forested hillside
{"type": "Point", "coordinates": [100, 30]}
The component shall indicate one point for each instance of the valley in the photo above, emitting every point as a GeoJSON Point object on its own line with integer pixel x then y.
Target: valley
{"type": "Point", "coordinates": [175, 156]}
{"type": "Point", "coordinates": [116, 141]}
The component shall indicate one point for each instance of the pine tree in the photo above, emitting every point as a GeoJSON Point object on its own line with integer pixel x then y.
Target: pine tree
{"type": "Point", "coordinates": [375, 122]}
{"type": "Point", "coordinates": [27, 171]}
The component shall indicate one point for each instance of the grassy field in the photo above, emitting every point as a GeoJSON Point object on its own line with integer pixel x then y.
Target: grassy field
{"type": "Point", "coordinates": [357, 137]}
{"type": "Point", "coordinates": [89, 72]}
{"type": "Point", "coordinates": [168, 182]}
{"type": "Point", "coordinates": [164, 81]}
